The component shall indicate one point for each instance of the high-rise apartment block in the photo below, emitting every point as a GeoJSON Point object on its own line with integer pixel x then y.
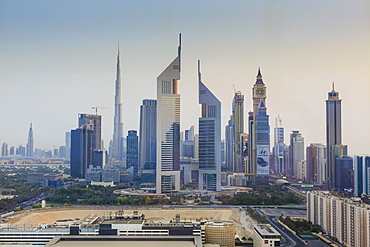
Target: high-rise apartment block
{"type": "Point", "coordinates": [29, 146]}
{"type": "Point", "coordinates": [168, 127]}
{"type": "Point", "coordinates": [209, 139]}
{"type": "Point", "coordinates": [117, 142]}
{"type": "Point", "coordinates": [316, 163]}
{"type": "Point", "coordinates": [333, 132]}
{"type": "Point", "coordinates": [346, 219]}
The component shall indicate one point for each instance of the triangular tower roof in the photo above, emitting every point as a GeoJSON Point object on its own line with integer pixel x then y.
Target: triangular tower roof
{"type": "Point", "coordinates": [259, 77]}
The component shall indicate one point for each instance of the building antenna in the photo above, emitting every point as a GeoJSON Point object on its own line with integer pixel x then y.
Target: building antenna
{"type": "Point", "coordinates": [98, 107]}
{"type": "Point", "coordinates": [234, 89]}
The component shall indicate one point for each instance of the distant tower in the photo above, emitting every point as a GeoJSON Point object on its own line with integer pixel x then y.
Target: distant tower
{"type": "Point", "coordinates": [316, 163]}
{"type": "Point", "coordinates": [11, 150]}
{"type": "Point", "coordinates": [168, 127]}
{"type": "Point", "coordinates": [132, 154]}
{"type": "Point", "coordinates": [92, 122]}
{"type": "Point", "coordinates": [258, 92]}
{"type": "Point", "coordinates": [262, 140]}
{"type": "Point", "coordinates": [117, 144]}
{"type": "Point", "coordinates": [361, 165]}
{"type": "Point", "coordinates": [187, 145]}
{"type": "Point", "coordinates": [68, 144]}
{"type": "Point", "coordinates": [296, 151]}
{"type": "Point", "coordinates": [257, 153]}
{"type": "Point", "coordinates": [81, 151]}
{"type": "Point", "coordinates": [4, 149]}
{"type": "Point", "coordinates": [29, 148]}
{"type": "Point", "coordinates": [279, 147]}
{"type": "Point", "coordinates": [238, 130]}
{"type": "Point", "coordinates": [209, 139]}
{"type": "Point", "coordinates": [343, 172]}
{"type": "Point", "coordinates": [86, 144]}
{"type": "Point", "coordinates": [147, 134]}
{"type": "Point", "coordinates": [229, 145]}
{"type": "Point", "coordinates": [333, 131]}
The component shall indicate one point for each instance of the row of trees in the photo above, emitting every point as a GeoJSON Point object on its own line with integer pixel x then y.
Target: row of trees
{"type": "Point", "coordinates": [300, 225]}
{"type": "Point", "coordinates": [98, 195]}
{"type": "Point", "coordinates": [262, 196]}
{"type": "Point", "coordinates": [23, 192]}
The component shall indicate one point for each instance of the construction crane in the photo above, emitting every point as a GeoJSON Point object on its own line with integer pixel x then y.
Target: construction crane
{"type": "Point", "coordinates": [98, 107]}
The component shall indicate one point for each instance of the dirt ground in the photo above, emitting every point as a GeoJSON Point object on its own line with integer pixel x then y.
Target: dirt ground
{"type": "Point", "coordinates": [244, 224]}
{"type": "Point", "coordinates": [51, 216]}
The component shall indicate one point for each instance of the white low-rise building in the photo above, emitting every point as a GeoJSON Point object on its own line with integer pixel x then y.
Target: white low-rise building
{"type": "Point", "coordinates": [265, 236]}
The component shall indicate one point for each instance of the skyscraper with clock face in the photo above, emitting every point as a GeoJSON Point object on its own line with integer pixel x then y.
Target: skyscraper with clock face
{"type": "Point", "coordinates": [259, 135]}
{"type": "Point", "coordinates": [259, 92]}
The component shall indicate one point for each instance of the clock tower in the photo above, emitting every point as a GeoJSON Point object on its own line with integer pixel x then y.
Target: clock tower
{"type": "Point", "coordinates": [258, 92]}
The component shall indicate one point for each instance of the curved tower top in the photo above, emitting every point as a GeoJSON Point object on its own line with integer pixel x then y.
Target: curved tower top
{"type": "Point", "coordinates": [168, 127]}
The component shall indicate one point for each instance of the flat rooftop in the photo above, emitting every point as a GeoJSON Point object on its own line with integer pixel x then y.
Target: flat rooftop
{"type": "Point", "coordinates": [266, 230]}
{"type": "Point", "coordinates": [113, 241]}
{"type": "Point", "coordinates": [139, 222]}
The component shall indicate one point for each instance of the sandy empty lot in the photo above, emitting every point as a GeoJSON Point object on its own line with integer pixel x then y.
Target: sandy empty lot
{"type": "Point", "coordinates": [244, 224]}
{"type": "Point", "coordinates": [49, 217]}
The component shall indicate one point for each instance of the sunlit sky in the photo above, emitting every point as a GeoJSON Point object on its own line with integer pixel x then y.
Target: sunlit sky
{"type": "Point", "coordinates": [58, 59]}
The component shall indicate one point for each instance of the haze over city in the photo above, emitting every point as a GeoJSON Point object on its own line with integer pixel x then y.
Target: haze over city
{"type": "Point", "coordinates": [58, 59]}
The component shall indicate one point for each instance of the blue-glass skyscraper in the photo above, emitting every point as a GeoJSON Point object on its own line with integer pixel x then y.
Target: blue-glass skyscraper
{"type": "Point", "coordinates": [361, 165]}
{"type": "Point", "coordinates": [132, 152]}
{"type": "Point", "coordinates": [81, 151]}
{"type": "Point", "coordinates": [343, 171]}
{"type": "Point", "coordinates": [147, 134]}
{"type": "Point", "coordinates": [209, 139]}
{"type": "Point", "coordinates": [262, 137]}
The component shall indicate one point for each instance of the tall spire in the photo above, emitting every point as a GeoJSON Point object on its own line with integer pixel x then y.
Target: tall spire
{"type": "Point", "coordinates": [179, 52]}
{"type": "Point", "coordinates": [117, 124]}
{"type": "Point", "coordinates": [199, 74]}
{"type": "Point", "coordinates": [333, 86]}
{"type": "Point", "coordinates": [29, 146]}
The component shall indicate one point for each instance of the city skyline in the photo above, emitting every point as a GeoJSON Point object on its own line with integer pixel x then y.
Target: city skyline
{"type": "Point", "coordinates": [50, 72]}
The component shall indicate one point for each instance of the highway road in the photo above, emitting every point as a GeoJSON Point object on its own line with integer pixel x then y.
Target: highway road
{"type": "Point", "coordinates": [288, 238]}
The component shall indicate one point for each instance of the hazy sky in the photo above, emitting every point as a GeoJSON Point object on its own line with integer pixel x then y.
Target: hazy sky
{"type": "Point", "coordinates": [58, 59]}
